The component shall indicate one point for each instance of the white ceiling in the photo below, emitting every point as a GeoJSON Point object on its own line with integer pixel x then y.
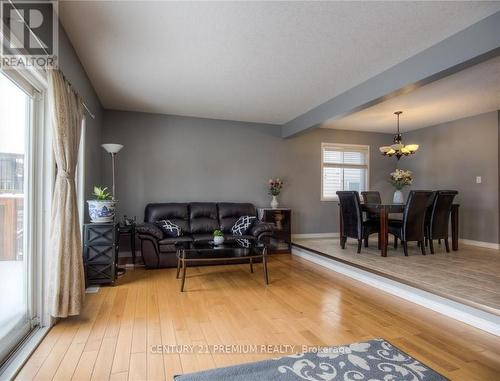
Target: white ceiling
{"type": "Point", "coordinates": [472, 91]}
{"type": "Point", "coordinates": [250, 61]}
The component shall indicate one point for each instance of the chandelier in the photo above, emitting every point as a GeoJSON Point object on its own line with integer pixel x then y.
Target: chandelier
{"type": "Point", "coordinates": [398, 149]}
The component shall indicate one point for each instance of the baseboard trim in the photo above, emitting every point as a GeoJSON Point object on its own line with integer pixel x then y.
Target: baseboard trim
{"type": "Point", "coordinates": [472, 316]}
{"type": "Point", "coordinates": [487, 245]}
{"type": "Point", "coordinates": [316, 235]}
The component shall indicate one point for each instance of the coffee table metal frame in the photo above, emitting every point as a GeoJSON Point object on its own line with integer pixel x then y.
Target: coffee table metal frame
{"type": "Point", "coordinates": [183, 261]}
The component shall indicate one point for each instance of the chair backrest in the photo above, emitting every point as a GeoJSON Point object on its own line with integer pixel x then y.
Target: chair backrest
{"type": "Point", "coordinates": [372, 197]}
{"type": "Point", "coordinates": [440, 213]}
{"type": "Point", "coordinates": [352, 219]}
{"type": "Point", "coordinates": [414, 215]}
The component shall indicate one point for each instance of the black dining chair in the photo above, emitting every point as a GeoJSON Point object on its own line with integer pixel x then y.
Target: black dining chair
{"type": "Point", "coordinates": [352, 219]}
{"type": "Point", "coordinates": [372, 197]}
{"type": "Point", "coordinates": [437, 218]}
{"type": "Point", "coordinates": [411, 228]}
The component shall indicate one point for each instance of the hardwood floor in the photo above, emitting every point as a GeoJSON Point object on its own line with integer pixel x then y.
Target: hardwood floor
{"type": "Point", "coordinates": [303, 305]}
{"type": "Point", "coordinates": [470, 276]}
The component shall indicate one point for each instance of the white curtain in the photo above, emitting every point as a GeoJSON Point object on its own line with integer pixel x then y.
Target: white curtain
{"type": "Point", "coordinates": [67, 284]}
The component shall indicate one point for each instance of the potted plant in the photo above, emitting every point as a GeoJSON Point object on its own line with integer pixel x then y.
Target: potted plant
{"type": "Point", "coordinates": [400, 179]}
{"type": "Point", "coordinates": [275, 187]}
{"type": "Point", "coordinates": [218, 237]}
{"type": "Point", "coordinates": [102, 207]}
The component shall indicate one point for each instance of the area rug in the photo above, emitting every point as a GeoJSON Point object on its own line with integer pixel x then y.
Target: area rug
{"type": "Point", "coordinates": [372, 360]}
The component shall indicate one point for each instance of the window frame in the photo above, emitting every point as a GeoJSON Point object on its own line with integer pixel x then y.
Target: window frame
{"type": "Point", "coordinates": [344, 146]}
{"type": "Point", "coordinates": [40, 181]}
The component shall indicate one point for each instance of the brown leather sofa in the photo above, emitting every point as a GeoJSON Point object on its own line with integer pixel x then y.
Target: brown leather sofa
{"type": "Point", "coordinates": [197, 221]}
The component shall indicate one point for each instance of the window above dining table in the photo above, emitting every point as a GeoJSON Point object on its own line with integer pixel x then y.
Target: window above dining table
{"type": "Point", "coordinates": [343, 167]}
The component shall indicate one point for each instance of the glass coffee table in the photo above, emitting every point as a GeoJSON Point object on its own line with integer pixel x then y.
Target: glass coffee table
{"type": "Point", "coordinates": [242, 250]}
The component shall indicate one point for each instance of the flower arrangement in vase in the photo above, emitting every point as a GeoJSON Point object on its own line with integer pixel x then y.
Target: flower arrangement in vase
{"type": "Point", "coordinates": [400, 179]}
{"type": "Point", "coordinates": [275, 187]}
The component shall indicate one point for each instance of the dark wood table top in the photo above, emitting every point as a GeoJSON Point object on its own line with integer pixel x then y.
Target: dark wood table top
{"type": "Point", "coordinates": [390, 207]}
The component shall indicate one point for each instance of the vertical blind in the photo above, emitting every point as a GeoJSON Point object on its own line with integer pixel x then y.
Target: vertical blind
{"type": "Point", "coordinates": [344, 167]}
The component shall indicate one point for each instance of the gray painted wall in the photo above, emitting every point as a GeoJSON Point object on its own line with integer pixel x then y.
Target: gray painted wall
{"type": "Point", "coordinates": [73, 70]}
{"type": "Point", "coordinates": [450, 157]}
{"type": "Point", "coordinates": [171, 158]}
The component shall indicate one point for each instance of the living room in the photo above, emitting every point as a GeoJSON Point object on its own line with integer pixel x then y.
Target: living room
{"type": "Point", "coordinates": [171, 210]}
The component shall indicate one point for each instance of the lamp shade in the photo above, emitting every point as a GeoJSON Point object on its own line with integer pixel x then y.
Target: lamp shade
{"type": "Point", "coordinates": [385, 149]}
{"type": "Point", "coordinates": [112, 148]}
{"type": "Point", "coordinates": [412, 147]}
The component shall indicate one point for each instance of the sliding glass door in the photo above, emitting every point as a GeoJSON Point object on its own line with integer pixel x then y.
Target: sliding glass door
{"type": "Point", "coordinates": [16, 280]}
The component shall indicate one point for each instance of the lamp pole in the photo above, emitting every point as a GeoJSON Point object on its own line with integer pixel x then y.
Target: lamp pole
{"type": "Point", "coordinates": [112, 149]}
{"type": "Point", "coordinates": [113, 154]}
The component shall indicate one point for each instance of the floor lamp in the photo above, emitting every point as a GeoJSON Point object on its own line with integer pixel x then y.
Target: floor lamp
{"type": "Point", "coordinates": [112, 149]}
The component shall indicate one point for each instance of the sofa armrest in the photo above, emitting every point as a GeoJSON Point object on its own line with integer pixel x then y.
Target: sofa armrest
{"type": "Point", "coordinates": [260, 228]}
{"type": "Point", "coordinates": [149, 229]}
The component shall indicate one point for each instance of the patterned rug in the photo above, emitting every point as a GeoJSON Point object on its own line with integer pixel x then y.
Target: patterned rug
{"type": "Point", "coordinates": [372, 360]}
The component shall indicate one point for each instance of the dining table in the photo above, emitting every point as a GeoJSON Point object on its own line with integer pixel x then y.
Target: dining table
{"type": "Point", "coordinates": [383, 210]}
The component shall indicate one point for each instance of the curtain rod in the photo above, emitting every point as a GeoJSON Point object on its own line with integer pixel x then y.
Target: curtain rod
{"type": "Point", "coordinates": [88, 110]}
{"type": "Point", "coordinates": [83, 103]}
{"type": "Point", "coordinates": [41, 44]}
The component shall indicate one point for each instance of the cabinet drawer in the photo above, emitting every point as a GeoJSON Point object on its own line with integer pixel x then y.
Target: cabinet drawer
{"type": "Point", "coordinates": [99, 254]}
{"type": "Point", "coordinates": [100, 234]}
{"type": "Point", "coordinates": [100, 273]}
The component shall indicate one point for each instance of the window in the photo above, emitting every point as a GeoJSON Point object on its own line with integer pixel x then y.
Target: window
{"type": "Point", "coordinates": [18, 268]}
{"type": "Point", "coordinates": [343, 167]}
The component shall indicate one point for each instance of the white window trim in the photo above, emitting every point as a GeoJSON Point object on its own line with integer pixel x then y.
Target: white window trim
{"type": "Point", "coordinates": [343, 145]}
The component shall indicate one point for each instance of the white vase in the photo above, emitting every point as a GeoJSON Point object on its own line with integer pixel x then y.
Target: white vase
{"type": "Point", "coordinates": [274, 203]}
{"type": "Point", "coordinates": [398, 197]}
{"type": "Point", "coordinates": [218, 240]}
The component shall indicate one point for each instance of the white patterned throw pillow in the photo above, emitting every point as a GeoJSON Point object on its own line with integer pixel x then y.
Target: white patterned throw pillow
{"type": "Point", "coordinates": [169, 228]}
{"type": "Point", "coordinates": [242, 225]}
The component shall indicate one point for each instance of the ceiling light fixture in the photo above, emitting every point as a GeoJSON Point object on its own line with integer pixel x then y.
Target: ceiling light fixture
{"type": "Point", "coordinates": [398, 149]}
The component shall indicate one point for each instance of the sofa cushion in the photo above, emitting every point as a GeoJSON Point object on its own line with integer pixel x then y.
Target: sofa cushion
{"type": "Point", "coordinates": [229, 212]}
{"type": "Point", "coordinates": [178, 213]}
{"type": "Point", "coordinates": [169, 228]}
{"type": "Point", "coordinates": [203, 217]}
{"type": "Point", "coordinates": [243, 225]}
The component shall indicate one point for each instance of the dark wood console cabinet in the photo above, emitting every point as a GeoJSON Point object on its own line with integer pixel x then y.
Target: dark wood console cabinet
{"type": "Point", "coordinates": [100, 253]}
{"type": "Point", "coordinates": [282, 218]}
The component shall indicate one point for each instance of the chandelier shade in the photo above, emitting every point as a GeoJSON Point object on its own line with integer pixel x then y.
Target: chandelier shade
{"type": "Point", "coordinates": [397, 148]}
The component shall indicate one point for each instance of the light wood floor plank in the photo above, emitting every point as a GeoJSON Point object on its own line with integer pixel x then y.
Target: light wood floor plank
{"type": "Point", "coordinates": [304, 305]}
